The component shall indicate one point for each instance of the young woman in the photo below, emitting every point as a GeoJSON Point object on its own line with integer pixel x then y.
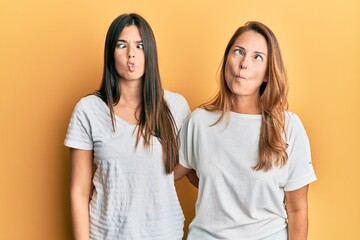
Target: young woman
{"type": "Point", "coordinates": [252, 157]}
{"type": "Point", "coordinates": [123, 144]}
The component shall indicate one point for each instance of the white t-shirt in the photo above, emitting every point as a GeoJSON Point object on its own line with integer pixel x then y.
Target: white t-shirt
{"type": "Point", "coordinates": [133, 197]}
{"type": "Point", "coordinates": [234, 201]}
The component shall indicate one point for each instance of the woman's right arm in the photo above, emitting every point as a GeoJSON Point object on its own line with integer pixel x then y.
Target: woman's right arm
{"type": "Point", "coordinates": [80, 191]}
{"type": "Point", "coordinates": [193, 178]}
{"type": "Point", "coordinates": [180, 172]}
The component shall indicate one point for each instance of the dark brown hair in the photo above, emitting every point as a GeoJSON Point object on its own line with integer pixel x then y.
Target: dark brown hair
{"type": "Point", "coordinates": [155, 116]}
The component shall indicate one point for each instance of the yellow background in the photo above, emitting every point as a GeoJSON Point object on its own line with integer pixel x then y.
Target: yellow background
{"type": "Point", "coordinates": [51, 55]}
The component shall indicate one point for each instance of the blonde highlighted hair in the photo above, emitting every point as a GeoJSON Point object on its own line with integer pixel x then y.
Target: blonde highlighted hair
{"type": "Point", "coordinates": [273, 99]}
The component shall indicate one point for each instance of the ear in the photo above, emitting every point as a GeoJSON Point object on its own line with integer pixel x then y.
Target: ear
{"type": "Point", "coordinates": [266, 79]}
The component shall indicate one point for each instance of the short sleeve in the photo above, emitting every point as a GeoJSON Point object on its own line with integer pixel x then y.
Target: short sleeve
{"type": "Point", "coordinates": [183, 111]}
{"type": "Point", "coordinates": [186, 137]}
{"type": "Point", "coordinates": [300, 168]}
{"type": "Point", "coordinates": [179, 107]}
{"type": "Point", "coordinates": [79, 130]}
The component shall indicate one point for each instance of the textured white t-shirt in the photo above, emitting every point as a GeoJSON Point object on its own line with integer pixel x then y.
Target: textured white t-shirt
{"type": "Point", "coordinates": [133, 197]}
{"type": "Point", "coordinates": [234, 201]}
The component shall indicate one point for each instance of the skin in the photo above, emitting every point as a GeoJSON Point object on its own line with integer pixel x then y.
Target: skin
{"type": "Point", "coordinates": [130, 65]}
{"type": "Point", "coordinates": [297, 210]}
{"type": "Point", "coordinates": [245, 71]}
{"type": "Point", "coordinates": [180, 172]}
{"type": "Point", "coordinates": [80, 191]}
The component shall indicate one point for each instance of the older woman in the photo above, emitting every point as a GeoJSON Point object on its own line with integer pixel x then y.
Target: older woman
{"type": "Point", "coordinates": [249, 153]}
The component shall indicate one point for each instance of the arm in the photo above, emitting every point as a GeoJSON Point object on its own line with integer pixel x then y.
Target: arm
{"type": "Point", "coordinates": [80, 191]}
{"type": "Point", "coordinates": [297, 211]}
{"type": "Point", "coordinates": [193, 178]}
{"type": "Point", "coordinates": [180, 172]}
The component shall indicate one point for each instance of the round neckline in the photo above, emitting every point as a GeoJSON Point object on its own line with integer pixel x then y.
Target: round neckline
{"type": "Point", "coordinates": [245, 115]}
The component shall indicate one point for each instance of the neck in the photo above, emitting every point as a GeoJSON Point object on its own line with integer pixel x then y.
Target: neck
{"type": "Point", "coordinates": [246, 105]}
{"type": "Point", "coordinates": [131, 93]}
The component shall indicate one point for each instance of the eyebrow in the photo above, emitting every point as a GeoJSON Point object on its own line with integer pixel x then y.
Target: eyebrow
{"type": "Point", "coordinates": [257, 52]}
{"type": "Point", "coordinates": [121, 40]}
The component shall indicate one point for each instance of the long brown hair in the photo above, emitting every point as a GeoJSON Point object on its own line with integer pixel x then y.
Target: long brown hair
{"type": "Point", "coordinates": [155, 117]}
{"type": "Point", "coordinates": [273, 99]}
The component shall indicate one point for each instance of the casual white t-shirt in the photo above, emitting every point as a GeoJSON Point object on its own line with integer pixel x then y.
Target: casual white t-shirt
{"type": "Point", "coordinates": [133, 197]}
{"type": "Point", "coordinates": [234, 201]}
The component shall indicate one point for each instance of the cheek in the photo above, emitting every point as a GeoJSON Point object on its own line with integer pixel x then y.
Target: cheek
{"type": "Point", "coordinates": [118, 66]}
{"type": "Point", "coordinates": [228, 70]}
{"type": "Point", "coordinates": [227, 76]}
{"type": "Point", "coordinates": [232, 66]}
{"type": "Point", "coordinates": [264, 68]}
{"type": "Point", "coordinates": [262, 73]}
{"type": "Point", "coordinates": [117, 59]}
{"type": "Point", "coordinates": [142, 67]}
{"type": "Point", "coordinates": [259, 70]}
{"type": "Point", "coordinates": [141, 60]}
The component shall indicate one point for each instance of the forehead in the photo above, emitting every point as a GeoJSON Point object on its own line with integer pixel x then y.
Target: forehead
{"type": "Point", "coordinates": [130, 32]}
{"type": "Point", "coordinates": [251, 41]}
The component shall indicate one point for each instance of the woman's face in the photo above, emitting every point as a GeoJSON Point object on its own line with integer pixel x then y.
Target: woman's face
{"type": "Point", "coordinates": [129, 54]}
{"type": "Point", "coordinates": [246, 65]}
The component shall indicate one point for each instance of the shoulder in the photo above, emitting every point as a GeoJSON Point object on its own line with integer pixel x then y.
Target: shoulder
{"type": "Point", "coordinates": [291, 116]}
{"type": "Point", "coordinates": [200, 113]}
{"type": "Point", "coordinates": [178, 106]}
{"type": "Point", "coordinates": [90, 104]}
{"type": "Point", "coordinates": [173, 98]}
{"type": "Point", "coordinates": [294, 127]}
{"type": "Point", "coordinates": [90, 100]}
{"type": "Point", "coordinates": [292, 120]}
{"type": "Point", "coordinates": [202, 116]}
{"type": "Point", "coordinates": [176, 102]}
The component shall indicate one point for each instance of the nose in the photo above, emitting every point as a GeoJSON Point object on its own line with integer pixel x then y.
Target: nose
{"type": "Point", "coordinates": [130, 53]}
{"type": "Point", "coordinates": [243, 63]}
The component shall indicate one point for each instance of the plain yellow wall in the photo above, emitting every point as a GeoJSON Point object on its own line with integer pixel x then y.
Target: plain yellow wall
{"type": "Point", "coordinates": [51, 55]}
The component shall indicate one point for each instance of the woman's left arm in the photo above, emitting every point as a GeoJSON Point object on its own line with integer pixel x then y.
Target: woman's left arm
{"type": "Point", "coordinates": [297, 211]}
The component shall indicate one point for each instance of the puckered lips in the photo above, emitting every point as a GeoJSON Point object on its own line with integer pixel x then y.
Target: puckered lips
{"type": "Point", "coordinates": [131, 66]}
{"type": "Point", "coordinates": [240, 77]}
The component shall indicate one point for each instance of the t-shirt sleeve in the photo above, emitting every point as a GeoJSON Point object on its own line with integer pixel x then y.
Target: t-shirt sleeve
{"type": "Point", "coordinates": [79, 130]}
{"type": "Point", "coordinates": [301, 171]}
{"type": "Point", "coordinates": [186, 154]}
{"type": "Point", "coordinates": [182, 110]}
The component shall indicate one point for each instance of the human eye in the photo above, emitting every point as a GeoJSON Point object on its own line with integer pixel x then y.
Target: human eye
{"type": "Point", "coordinates": [258, 57]}
{"type": "Point", "coordinates": [121, 45]}
{"type": "Point", "coordinates": [140, 46]}
{"type": "Point", "coordinates": [238, 51]}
